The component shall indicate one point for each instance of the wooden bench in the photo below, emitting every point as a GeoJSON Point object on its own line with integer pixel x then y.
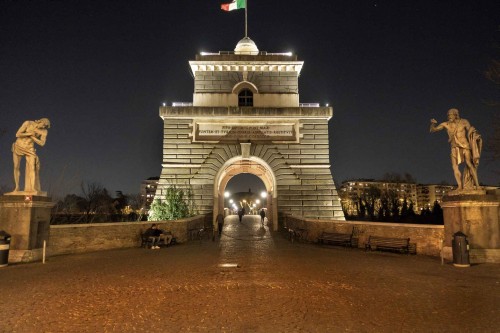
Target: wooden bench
{"type": "Point", "coordinates": [195, 234]}
{"type": "Point", "coordinates": [334, 238]}
{"type": "Point", "coordinates": [146, 242]}
{"type": "Point", "coordinates": [391, 244]}
{"type": "Point", "coordinates": [297, 234]}
{"type": "Point", "coordinates": [301, 234]}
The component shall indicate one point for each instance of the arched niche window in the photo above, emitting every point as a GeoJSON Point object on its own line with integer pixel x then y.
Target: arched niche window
{"type": "Point", "coordinates": [245, 98]}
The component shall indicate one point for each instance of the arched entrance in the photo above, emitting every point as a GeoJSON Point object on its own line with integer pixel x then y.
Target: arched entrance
{"type": "Point", "coordinates": [252, 165]}
{"type": "Point", "coordinates": [245, 190]}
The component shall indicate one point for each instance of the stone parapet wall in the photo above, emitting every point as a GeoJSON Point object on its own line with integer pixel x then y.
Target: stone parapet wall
{"type": "Point", "coordinates": [80, 238]}
{"type": "Point", "coordinates": [428, 238]}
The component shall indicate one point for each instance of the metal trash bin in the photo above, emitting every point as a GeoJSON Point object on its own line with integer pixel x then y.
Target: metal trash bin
{"type": "Point", "coordinates": [460, 247]}
{"type": "Point", "coordinates": [4, 248]}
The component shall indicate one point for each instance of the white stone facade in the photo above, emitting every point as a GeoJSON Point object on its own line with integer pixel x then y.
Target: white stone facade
{"type": "Point", "coordinates": [202, 146]}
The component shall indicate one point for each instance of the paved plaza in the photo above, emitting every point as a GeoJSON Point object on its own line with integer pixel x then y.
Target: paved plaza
{"type": "Point", "coordinates": [279, 286]}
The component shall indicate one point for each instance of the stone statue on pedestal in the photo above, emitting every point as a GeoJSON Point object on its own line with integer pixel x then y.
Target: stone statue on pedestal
{"type": "Point", "coordinates": [29, 133]}
{"type": "Point", "coordinates": [26, 214]}
{"type": "Point", "coordinates": [466, 145]}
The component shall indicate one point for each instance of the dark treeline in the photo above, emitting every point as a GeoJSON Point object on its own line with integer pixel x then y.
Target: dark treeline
{"type": "Point", "coordinates": [404, 214]}
{"type": "Point", "coordinates": [373, 205]}
{"type": "Point", "coordinates": [94, 204]}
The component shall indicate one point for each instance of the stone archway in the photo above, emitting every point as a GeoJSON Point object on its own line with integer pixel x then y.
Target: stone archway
{"type": "Point", "coordinates": [252, 165]}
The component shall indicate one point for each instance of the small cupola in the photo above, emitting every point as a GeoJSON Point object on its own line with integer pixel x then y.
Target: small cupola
{"type": "Point", "coordinates": [246, 46]}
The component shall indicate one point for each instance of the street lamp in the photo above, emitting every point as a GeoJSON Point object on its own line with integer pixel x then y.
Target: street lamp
{"type": "Point", "coordinates": [227, 194]}
{"type": "Point", "coordinates": [263, 194]}
{"type": "Point", "coordinates": [257, 201]}
{"type": "Point", "coordinates": [231, 201]}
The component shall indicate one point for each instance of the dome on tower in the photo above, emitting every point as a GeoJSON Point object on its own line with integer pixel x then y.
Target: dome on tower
{"type": "Point", "coordinates": [246, 46]}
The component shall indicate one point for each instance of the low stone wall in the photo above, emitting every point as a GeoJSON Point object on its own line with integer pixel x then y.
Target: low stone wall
{"type": "Point", "coordinates": [428, 238]}
{"type": "Point", "coordinates": [79, 238]}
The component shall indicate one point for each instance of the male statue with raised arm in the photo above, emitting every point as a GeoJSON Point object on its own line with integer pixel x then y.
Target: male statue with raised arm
{"type": "Point", "coordinates": [29, 133]}
{"type": "Point", "coordinates": [466, 145]}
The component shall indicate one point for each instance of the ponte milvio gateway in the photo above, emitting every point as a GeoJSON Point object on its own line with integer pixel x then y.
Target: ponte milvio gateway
{"type": "Point", "coordinates": [246, 118]}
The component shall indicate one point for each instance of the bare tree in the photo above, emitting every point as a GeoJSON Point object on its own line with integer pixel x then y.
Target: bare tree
{"type": "Point", "coordinates": [394, 177]}
{"type": "Point", "coordinates": [98, 201]}
{"type": "Point", "coordinates": [371, 199]}
{"type": "Point", "coordinates": [69, 210]}
{"type": "Point", "coordinates": [138, 203]}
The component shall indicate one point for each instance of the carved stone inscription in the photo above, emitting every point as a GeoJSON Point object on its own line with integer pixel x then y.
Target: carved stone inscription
{"type": "Point", "coordinates": [241, 132]}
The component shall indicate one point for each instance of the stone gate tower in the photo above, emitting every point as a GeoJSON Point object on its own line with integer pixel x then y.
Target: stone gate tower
{"type": "Point", "coordinates": [246, 118]}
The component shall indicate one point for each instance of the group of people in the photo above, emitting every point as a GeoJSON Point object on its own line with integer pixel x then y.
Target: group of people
{"type": "Point", "coordinates": [156, 235]}
{"type": "Point", "coordinates": [262, 213]}
{"type": "Point", "coordinates": [220, 219]}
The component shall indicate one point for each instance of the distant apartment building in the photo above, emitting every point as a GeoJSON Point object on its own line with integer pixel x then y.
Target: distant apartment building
{"type": "Point", "coordinates": [352, 190]}
{"type": "Point", "coordinates": [421, 195]}
{"type": "Point", "coordinates": [428, 194]}
{"type": "Point", "coordinates": [148, 190]}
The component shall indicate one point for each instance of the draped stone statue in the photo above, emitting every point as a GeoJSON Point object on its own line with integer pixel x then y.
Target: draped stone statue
{"type": "Point", "coordinates": [466, 145]}
{"type": "Point", "coordinates": [29, 133]}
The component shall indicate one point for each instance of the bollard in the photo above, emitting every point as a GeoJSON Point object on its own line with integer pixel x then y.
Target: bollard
{"type": "Point", "coordinates": [44, 248]}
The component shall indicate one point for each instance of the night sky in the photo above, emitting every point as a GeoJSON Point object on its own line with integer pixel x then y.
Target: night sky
{"type": "Point", "coordinates": [99, 70]}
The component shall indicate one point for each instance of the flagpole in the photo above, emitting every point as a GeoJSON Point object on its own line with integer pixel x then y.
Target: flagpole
{"type": "Point", "coordinates": [246, 24]}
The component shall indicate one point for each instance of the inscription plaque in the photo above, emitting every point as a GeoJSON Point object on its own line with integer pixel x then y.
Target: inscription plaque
{"type": "Point", "coordinates": [242, 132]}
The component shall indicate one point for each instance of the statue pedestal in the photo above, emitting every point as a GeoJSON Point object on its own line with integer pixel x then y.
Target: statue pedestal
{"type": "Point", "coordinates": [476, 214]}
{"type": "Point", "coordinates": [26, 218]}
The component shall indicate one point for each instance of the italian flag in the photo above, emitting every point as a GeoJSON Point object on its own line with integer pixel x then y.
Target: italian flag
{"type": "Point", "coordinates": [236, 4]}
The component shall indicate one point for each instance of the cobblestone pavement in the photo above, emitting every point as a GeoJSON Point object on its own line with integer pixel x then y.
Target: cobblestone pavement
{"type": "Point", "coordinates": [279, 286]}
